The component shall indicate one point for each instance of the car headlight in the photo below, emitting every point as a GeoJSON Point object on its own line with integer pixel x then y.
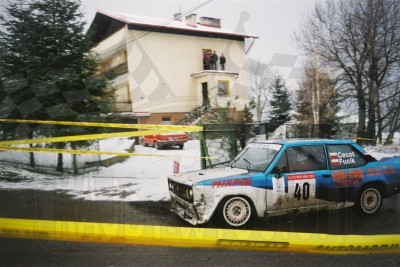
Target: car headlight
{"type": "Point", "coordinates": [190, 193]}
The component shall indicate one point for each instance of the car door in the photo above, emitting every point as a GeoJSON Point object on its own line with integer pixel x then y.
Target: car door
{"type": "Point", "coordinates": [294, 177]}
{"type": "Point", "coordinates": [345, 175]}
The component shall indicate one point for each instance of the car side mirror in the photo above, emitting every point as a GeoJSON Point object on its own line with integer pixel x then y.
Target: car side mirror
{"type": "Point", "coordinates": [279, 170]}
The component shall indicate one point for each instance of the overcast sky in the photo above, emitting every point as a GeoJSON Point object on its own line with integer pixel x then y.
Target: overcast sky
{"type": "Point", "coordinates": [273, 21]}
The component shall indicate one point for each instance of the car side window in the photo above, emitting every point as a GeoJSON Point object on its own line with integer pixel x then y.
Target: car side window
{"type": "Point", "coordinates": [301, 158]}
{"type": "Point", "coordinates": [306, 158]}
{"type": "Point", "coordinates": [281, 165]}
{"type": "Point", "coordinates": [344, 156]}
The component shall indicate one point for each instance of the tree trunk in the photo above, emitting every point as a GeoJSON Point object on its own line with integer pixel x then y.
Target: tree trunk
{"type": "Point", "coordinates": [60, 163]}
{"type": "Point", "coordinates": [371, 132]}
{"type": "Point", "coordinates": [361, 131]}
{"type": "Point", "coordinates": [31, 154]}
{"type": "Point", "coordinates": [74, 161]}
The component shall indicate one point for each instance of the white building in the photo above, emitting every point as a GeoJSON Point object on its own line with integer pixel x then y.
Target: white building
{"type": "Point", "coordinates": [159, 64]}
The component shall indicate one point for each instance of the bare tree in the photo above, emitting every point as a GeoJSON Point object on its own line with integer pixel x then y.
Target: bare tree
{"type": "Point", "coordinates": [361, 40]}
{"type": "Point", "coordinates": [316, 97]}
{"type": "Point", "coordinates": [391, 110]}
{"type": "Point", "coordinates": [260, 79]}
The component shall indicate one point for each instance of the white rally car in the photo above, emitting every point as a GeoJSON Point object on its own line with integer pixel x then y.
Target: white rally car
{"type": "Point", "coordinates": [285, 176]}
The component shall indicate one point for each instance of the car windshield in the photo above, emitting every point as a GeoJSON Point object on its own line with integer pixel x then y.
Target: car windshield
{"type": "Point", "coordinates": [256, 157]}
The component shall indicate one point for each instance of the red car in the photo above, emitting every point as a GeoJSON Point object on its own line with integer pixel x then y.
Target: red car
{"type": "Point", "coordinates": [160, 141]}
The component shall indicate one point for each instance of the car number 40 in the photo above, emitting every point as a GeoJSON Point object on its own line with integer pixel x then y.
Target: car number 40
{"type": "Point", "coordinates": [302, 191]}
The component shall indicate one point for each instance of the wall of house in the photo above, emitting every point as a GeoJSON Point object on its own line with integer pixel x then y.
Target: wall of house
{"type": "Point", "coordinates": [109, 46]}
{"type": "Point", "coordinates": [161, 67]}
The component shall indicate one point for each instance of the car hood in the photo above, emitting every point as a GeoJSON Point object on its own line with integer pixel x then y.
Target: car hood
{"type": "Point", "coordinates": [192, 177]}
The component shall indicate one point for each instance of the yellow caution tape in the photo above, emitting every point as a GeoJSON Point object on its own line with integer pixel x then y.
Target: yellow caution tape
{"type": "Point", "coordinates": [150, 129]}
{"type": "Point", "coordinates": [90, 152]}
{"type": "Point", "coordinates": [145, 129]}
{"type": "Point", "coordinates": [199, 237]}
{"type": "Point", "coordinates": [82, 137]}
{"type": "Point", "coordinates": [183, 128]}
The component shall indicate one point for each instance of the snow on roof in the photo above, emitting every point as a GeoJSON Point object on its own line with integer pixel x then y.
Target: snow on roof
{"type": "Point", "coordinates": [169, 23]}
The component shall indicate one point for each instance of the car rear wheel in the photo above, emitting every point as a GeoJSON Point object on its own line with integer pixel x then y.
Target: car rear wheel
{"type": "Point", "coordinates": [236, 212]}
{"type": "Point", "coordinates": [369, 201]}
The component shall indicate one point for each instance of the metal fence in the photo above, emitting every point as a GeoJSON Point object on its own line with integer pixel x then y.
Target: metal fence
{"type": "Point", "coordinates": [327, 131]}
{"type": "Point", "coordinates": [40, 161]}
{"type": "Point", "coordinates": [222, 142]}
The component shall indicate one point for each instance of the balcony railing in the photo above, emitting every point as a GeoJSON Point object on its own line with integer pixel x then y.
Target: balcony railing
{"type": "Point", "coordinates": [116, 71]}
{"type": "Point", "coordinates": [122, 107]}
{"type": "Point", "coordinates": [120, 69]}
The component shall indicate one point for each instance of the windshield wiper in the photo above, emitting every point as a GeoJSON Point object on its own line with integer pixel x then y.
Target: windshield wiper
{"type": "Point", "coordinates": [234, 161]}
{"type": "Point", "coordinates": [249, 164]}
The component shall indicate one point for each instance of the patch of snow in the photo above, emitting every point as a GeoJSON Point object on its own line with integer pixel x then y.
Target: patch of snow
{"type": "Point", "coordinates": [139, 178]}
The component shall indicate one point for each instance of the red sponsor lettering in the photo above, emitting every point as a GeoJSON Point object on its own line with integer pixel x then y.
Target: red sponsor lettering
{"type": "Point", "coordinates": [356, 174]}
{"type": "Point", "coordinates": [353, 177]}
{"type": "Point", "coordinates": [347, 182]}
{"type": "Point", "coordinates": [339, 176]}
{"type": "Point", "coordinates": [300, 176]}
{"type": "Point", "coordinates": [232, 182]}
{"type": "Point", "coordinates": [216, 184]}
{"type": "Point", "coordinates": [381, 170]}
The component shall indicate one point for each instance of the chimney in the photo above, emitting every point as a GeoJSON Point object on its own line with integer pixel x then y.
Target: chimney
{"type": "Point", "coordinates": [178, 16]}
{"type": "Point", "coordinates": [210, 22]}
{"type": "Point", "coordinates": [191, 20]}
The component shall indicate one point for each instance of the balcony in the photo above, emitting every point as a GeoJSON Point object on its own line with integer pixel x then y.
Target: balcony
{"type": "Point", "coordinates": [119, 70]}
{"type": "Point", "coordinates": [115, 71]}
{"type": "Point", "coordinates": [215, 72]}
{"type": "Point", "coordinates": [122, 106]}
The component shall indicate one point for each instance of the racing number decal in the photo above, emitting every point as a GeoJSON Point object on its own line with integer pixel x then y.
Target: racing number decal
{"type": "Point", "coordinates": [301, 188]}
{"type": "Point", "coordinates": [300, 193]}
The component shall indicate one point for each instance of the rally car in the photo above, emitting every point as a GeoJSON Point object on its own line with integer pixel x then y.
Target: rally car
{"type": "Point", "coordinates": [285, 176]}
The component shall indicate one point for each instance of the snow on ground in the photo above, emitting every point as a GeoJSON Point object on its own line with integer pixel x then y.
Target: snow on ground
{"type": "Point", "coordinates": [139, 178]}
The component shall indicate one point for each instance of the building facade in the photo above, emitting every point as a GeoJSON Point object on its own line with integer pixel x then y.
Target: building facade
{"type": "Point", "coordinates": [159, 65]}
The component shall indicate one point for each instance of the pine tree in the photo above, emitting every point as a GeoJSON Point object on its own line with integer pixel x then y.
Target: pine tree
{"type": "Point", "coordinates": [48, 66]}
{"type": "Point", "coordinates": [280, 104]}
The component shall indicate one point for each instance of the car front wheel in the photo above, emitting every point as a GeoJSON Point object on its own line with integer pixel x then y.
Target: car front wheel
{"type": "Point", "coordinates": [236, 212]}
{"type": "Point", "coordinates": [369, 201]}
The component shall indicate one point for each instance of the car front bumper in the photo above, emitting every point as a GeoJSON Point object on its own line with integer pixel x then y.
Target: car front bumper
{"type": "Point", "coordinates": [185, 210]}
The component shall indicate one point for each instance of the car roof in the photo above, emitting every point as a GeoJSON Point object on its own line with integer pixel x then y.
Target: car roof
{"type": "Point", "coordinates": [306, 141]}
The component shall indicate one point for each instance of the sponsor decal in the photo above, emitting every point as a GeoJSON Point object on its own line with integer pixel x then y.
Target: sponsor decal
{"type": "Point", "coordinates": [381, 170]}
{"type": "Point", "coordinates": [232, 182]}
{"type": "Point", "coordinates": [300, 176]}
{"type": "Point", "coordinates": [352, 177]}
{"type": "Point", "coordinates": [342, 158]}
{"type": "Point", "coordinates": [278, 189]}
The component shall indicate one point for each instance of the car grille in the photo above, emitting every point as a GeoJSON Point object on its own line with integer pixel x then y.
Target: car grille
{"type": "Point", "coordinates": [181, 190]}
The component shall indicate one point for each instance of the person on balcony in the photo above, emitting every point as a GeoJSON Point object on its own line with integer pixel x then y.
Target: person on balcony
{"type": "Point", "coordinates": [214, 59]}
{"type": "Point", "coordinates": [207, 61]}
{"type": "Point", "coordinates": [222, 61]}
